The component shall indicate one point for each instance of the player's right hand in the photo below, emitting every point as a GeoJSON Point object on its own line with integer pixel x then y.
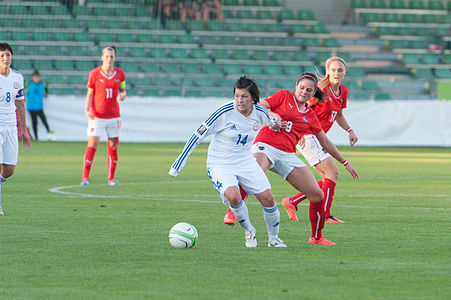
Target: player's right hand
{"type": "Point", "coordinates": [89, 114]}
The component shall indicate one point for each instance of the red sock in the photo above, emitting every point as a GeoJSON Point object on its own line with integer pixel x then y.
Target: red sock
{"type": "Point", "coordinates": [88, 160]}
{"type": "Point", "coordinates": [112, 157]}
{"type": "Point", "coordinates": [317, 219]}
{"type": "Point", "coordinates": [298, 198]}
{"type": "Point", "coordinates": [329, 191]}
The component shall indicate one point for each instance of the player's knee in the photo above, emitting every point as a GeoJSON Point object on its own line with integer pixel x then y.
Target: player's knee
{"type": "Point", "coordinates": [234, 200]}
{"type": "Point", "coordinates": [316, 195]}
{"type": "Point", "coordinates": [333, 174]}
{"type": "Point", "coordinates": [266, 199]}
{"type": "Point", "coordinates": [7, 173]}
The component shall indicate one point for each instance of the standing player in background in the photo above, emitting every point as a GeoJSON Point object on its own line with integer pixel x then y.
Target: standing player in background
{"type": "Point", "coordinates": [328, 111]}
{"type": "Point", "coordinates": [106, 84]}
{"type": "Point", "coordinates": [230, 163]}
{"type": "Point", "coordinates": [36, 92]}
{"type": "Point", "coordinates": [11, 99]}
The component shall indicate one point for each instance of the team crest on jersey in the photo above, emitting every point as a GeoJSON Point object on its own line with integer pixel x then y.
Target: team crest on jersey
{"type": "Point", "coordinates": [16, 85]}
{"type": "Point", "coordinates": [117, 80]}
{"type": "Point", "coordinates": [201, 130]}
{"type": "Point", "coordinates": [305, 120]}
{"type": "Point", "coordinates": [256, 125]}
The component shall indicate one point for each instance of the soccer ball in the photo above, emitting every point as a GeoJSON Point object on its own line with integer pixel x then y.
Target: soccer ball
{"type": "Point", "coordinates": [183, 235]}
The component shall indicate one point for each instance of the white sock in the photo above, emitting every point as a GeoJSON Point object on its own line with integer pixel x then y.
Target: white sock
{"type": "Point", "coordinates": [2, 181]}
{"type": "Point", "coordinates": [242, 215]}
{"type": "Point", "coordinates": [272, 220]}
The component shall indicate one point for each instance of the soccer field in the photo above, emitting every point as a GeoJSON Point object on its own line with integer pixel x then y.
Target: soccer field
{"type": "Point", "coordinates": [62, 241]}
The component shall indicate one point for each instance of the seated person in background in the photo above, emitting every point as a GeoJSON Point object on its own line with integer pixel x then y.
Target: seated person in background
{"type": "Point", "coordinates": [212, 7]}
{"type": "Point", "coordinates": [192, 10]}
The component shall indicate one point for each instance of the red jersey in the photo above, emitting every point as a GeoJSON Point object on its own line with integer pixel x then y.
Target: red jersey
{"type": "Point", "coordinates": [104, 102]}
{"type": "Point", "coordinates": [284, 104]}
{"type": "Point", "coordinates": [328, 110]}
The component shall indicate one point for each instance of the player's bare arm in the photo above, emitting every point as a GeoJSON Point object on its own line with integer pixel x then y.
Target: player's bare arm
{"type": "Point", "coordinates": [88, 104]}
{"type": "Point", "coordinates": [341, 120]}
{"type": "Point", "coordinates": [279, 124]}
{"type": "Point", "coordinates": [327, 144]}
{"type": "Point", "coordinates": [26, 139]}
{"type": "Point", "coordinates": [122, 92]}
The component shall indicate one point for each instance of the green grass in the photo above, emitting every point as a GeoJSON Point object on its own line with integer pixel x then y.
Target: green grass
{"type": "Point", "coordinates": [100, 242]}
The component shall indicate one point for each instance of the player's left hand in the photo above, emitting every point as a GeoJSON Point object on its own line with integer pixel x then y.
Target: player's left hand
{"type": "Point", "coordinates": [26, 139]}
{"type": "Point", "coordinates": [121, 96]}
{"type": "Point", "coordinates": [352, 170]}
{"type": "Point", "coordinates": [352, 138]}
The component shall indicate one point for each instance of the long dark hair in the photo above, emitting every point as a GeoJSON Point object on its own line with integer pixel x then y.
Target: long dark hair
{"type": "Point", "coordinates": [310, 76]}
{"type": "Point", "coordinates": [246, 83]}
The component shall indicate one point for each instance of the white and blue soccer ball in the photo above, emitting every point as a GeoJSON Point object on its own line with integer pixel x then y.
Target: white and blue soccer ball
{"type": "Point", "coordinates": [183, 235]}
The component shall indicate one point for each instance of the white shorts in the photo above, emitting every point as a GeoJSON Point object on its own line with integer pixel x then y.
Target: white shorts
{"type": "Point", "coordinates": [250, 176]}
{"type": "Point", "coordinates": [9, 145]}
{"type": "Point", "coordinates": [282, 162]}
{"type": "Point", "coordinates": [112, 126]}
{"type": "Point", "coordinates": [313, 151]}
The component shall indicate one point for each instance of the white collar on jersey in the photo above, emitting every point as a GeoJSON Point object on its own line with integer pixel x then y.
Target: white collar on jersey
{"type": "Point", "coordinates": [333, 94]}
{"type": "Point", "coordinates": [297, 106]}
{"type": "Point", "coordinates": [106, 76]}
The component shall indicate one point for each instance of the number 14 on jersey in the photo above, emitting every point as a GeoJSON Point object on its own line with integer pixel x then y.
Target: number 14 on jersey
{"type": "Point", "coordinates": [241, 140]}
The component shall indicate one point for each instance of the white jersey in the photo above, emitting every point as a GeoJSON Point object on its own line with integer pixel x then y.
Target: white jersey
{"type": "Point", "coordinates": [11, 89]}
{"type": "Point", "coordinates": [233, 136]}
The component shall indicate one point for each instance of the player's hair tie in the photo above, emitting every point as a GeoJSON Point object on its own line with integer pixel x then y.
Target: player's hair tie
{"type": "Point", "coordinates": [308, 75]}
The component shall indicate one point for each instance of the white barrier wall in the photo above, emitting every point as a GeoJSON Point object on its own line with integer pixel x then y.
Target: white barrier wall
{"type": "Point", "coordinates": [386, 123]}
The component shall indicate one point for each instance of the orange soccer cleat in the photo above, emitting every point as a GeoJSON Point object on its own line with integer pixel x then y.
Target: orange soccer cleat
{"type": "Point", "coordinates": [332, 219]}
{"type": "Point", "coordinates": [229, 218]}
{"type": "Point", "coordinates": [291, 209]}
{"type": "Point", "coordinates": [321, 241]}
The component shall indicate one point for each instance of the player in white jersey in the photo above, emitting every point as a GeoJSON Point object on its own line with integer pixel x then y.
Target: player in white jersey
{"type": "Point", "coordinates": [230, 162]}
{"type": "Point", "coordinates": [11, 98]}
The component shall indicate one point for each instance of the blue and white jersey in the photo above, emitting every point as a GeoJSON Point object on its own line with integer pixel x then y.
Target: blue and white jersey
{"type": "Point", "coordinates": [233, 136]}
{"type": "Point", "coordinates": [11, 89]}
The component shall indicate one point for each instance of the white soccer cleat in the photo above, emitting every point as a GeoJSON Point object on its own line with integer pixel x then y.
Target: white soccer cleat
{"type": "Point", "coordinates": [251, 239]}
{"type": "Point", "coordinates": [278, 243]}
{"type": "Point", "coordinates": [1, 212]}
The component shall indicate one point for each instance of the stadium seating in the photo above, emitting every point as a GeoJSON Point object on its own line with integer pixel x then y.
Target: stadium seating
{"type": "Point", "coordinates": [259, 37]}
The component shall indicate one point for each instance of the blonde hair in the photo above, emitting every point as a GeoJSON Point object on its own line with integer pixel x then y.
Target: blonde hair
{"type": "Point", "coordinates": [325, 79]}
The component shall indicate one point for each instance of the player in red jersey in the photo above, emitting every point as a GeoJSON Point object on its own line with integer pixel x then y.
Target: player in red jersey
{"type": "Point", "coordinates": [328, 111]}
{"type": "Point", "coordinates": [276, 151]}
{"type": "Point", "coordinates": [106, 84]}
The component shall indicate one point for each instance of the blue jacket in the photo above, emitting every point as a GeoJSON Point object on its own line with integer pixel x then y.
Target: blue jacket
{"type": "Point", "coordinates": [35, 96]}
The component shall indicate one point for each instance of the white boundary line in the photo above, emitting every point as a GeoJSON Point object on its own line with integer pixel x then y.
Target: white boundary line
{"type": "Point", "coordinates": [165, 197]}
